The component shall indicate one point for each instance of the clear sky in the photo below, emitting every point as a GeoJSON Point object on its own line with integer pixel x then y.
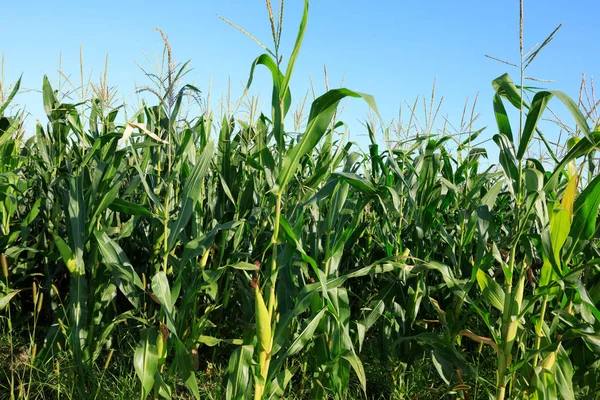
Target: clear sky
{"type": "Point", "coordinates": [392, 49]}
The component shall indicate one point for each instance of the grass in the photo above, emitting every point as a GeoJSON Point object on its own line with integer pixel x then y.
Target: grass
{"type": "Point", "coordinates": [118, 380]}
{"type": "Point", "coordinates": [180, 253]}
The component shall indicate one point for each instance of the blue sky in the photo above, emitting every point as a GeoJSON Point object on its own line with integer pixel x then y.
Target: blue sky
{"type": "Point", "coordinates": [393, 50]}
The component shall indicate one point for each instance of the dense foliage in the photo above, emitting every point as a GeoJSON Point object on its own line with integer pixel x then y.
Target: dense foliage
{"type": "Point", "coordinates": [293, 261]}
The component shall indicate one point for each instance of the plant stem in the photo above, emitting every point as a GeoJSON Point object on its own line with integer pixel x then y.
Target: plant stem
{"type": "Point", "coordinates": [273, 269]}
{"type": "Point", "coordinates": [265, 356]}
{"type": "Point", "coordinates": [166, 231]}
{"type": "Point", "coordinates": [503, 354]}
{"type": "Point", "coordinates": [538, 329]}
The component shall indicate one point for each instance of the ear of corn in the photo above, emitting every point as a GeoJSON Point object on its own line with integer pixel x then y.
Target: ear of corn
{"type": "Point", "coordinates": [263, 322]}
{"type": "Point", "coordinates": [263, 334]}
{"type": "Point", "coordinates": [4, 264]}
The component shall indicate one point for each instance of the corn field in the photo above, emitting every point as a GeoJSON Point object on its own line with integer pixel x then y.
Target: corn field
{"type": "Point", "coordinates": [174, 253]}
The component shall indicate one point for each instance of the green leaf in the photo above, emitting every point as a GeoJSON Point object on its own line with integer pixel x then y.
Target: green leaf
{"type": "Point", "coordinates": [509, 163]}
{"type": "Point", "coordinates": [11, 96]}
{"type": "Point", "coordinates": [185, 366]}
{"type": "Point", "coordinates": [105, 202]}
{"type": "Point", "coordinates": [104, 335]}
{"type": "Point", "coordinates": [122, 272]}
{"type": "Point", "coordinates": [8, 127]}
{"type": "Point", "coordinates": [292, 61]}
{"type": "Point", "coordinates": [245, 266]}
{"type": "Point", "coordinates": [129, 208]}
{"type": "Point", "coordinates": [492, 292]}
{"type": "Point", "coordinates": [303, 301]}
{"type": "Point", "coordinates": [33, 213]}
{"type": "Point", "coordinates": [239, 385]}
{"type": "Point", "coordinates": [65, 252]}
{"type": "Point", "coordinates": [190, 194]}
{"type": "Point", "coordinates": [581, 148]}
{"type": "Point", "coordinates": [299, 342]}
{"type": "Point", "coordinates": [162, 290]}
{"type": "Point", "coordinates": [75, 211]}
{"type": "Point", "coordinates": [208, 340]}
{"type": "Point", "coordinates": [321, 114]}
{"type": "Point", "coordinates": [49, 97]}
{"type": "Point", "coordinates": [5, 299]}
{"type": "Point", "coordinates": [585, 211]}
{"type": "Point", "coordinates": [502, 118]}
{"type": "Point", "coordinates": [279, 383]}
{"type": "Point", "coordinates": [278, 113]}
{"type": "Point", "coordinates": [563, 374]}
{"type": "Point", "coordinates": [164, 390]}
{"type": "Point", "coordinates": [360, 183]}
{"type": "Point", "coordinates": [358, 368]}
{"type": "Point", "coordinates": [560, 226]}
{"type": "Point", "coordinates": [145, 361]}
{"type": "Point", "coordinates": [534, 180]}
{"type": "Point", "coordinates": [538, 106]}
{"type": "Point", "coordinates": [545, 385]}
{"type": "Point", "coordinates": [575, 111]}
{"type": "Point", "coordinates": [505, 87]}
{"type": "Point", "coordinates": [197, 247]}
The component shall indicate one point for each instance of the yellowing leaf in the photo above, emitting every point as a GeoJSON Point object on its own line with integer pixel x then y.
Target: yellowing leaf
{"type": "Point", "coordinates": [568, 197]}
{"type": "Point", "coordinates": [142, 127]}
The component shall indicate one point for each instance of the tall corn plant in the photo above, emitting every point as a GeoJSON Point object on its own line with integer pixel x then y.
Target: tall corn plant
{"type": "Point", "coordinates": [546, 224]}
{"type": "Point", "coordinates": [432, 232]}
{"type": "Point", "coordinates": [11, 134]}
{"type": "Point", "coordinates": [550, 222]}
{"type": "Point", "coordinates": [81, 186]}
{"type": "Point", "coordinates": [13, 208]}
{"type": "Point", "coordinates": [283, 165]}
{"type": "Point", "coordinates": [94, 188]}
